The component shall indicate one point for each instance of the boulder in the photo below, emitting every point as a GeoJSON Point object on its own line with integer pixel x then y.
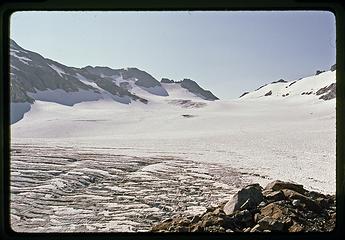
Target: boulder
{"type": "Point", "coordinates": [271, 224]}
{"type": "Point", "coordinates": [296, 228]}
{"type": "Point", "coordinates": [273, 210]}
{"type": "Point", "coordinates": [251, 193]}
{"type": "Point", "coordinates": [274, 196]}
{"type": "Point", "coordinates": [310, 203]}
{"type": "Point", "coordinates": [280, 185]}
{"type": "Point", "coordinates": [243, 216]}
{"type": "Point", "coordinates": [253, 212]}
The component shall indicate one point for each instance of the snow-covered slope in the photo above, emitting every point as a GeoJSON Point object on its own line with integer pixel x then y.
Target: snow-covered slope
{"type": "Point", "coordinates": [320, 86]}
{"type": "Point", "coordinates": [34, 77]}
{"type": "Point", "coordinates": [290, 137]}
{"type": "Point", "coordinates": [290, 141]}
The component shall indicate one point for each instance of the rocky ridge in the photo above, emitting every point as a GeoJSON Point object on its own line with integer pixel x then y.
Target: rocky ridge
{"type": "Point", "coordinates": [31, 73]}
{"type": "Point", "coordinates": [279, 207]}
{"type": "Point", "coordinates": [311, 85]}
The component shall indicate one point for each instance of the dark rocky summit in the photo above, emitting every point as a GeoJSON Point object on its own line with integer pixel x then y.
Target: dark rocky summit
{"type": "Point", "coordinates": [167, 80]}
{"type": "Point", "coordinates": [193, 87]}
{"type": "Point", "coordinates": [279, 207]}
{"type": "Point", "coordinates": [333, 67]}
{"type": "Point", "coordinates": [319, 71]}
{"type": "Point", "coordinates": [280, 81]}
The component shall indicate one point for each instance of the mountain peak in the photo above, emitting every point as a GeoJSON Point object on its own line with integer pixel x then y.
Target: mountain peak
{"type": "Point", "coordinates": [321, 85]}
{"type": "Point", "coordinates": [193, 87]}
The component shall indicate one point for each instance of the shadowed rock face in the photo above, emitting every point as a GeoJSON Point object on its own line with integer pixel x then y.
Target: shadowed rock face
{"type": "Point", "coordinates": [102, 70]}
{"type": "Point", "coordinates": [144, 79]}
{"type": "Point", "coordinates": [269, 93]}
{"type": "Point", "coordinates": [329, 92]}
{"type": "Point", "coordinates": [31, 72]}
{"type": "Point", "coordinates": [279, 207]}
{"type": "Point", "coordinates": [193, 87]}
{"type": "Point", "coordinates": [243, 94]}
{"type": "Point", "coordinates": [250, 195]}
{"type": "Point", "coordinates": [333, 68]}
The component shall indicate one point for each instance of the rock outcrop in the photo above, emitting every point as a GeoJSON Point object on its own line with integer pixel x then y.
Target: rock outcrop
{"type": "Point", "coordinates": [329, 92]}
{"type": "Point", "coordinates": [280, 81]}
{"type": "Point", "coordinates": [319, 72]}
{"type": "Point", "coordinates": [193, 87]}
{"type": "Point", "coordinates": [243, 94]}
{"type": "Point", "coordinates": [279, 207]}
{"type": "Point", "coordinates": [167, 80]}
{"type": "Point", "coordinates": [269, 93]}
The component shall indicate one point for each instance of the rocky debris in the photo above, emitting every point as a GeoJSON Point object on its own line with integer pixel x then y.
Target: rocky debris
{"type": "Point", "coordinates": [280, 81]}
{"type": "Point", "coordinates": [167, 80]}
{"type": "Point", "coordinates": [245, 93]}
{"type": "Point", "coordinates": [269, 93]}
{"type": "Point", "coordinates": [318, 72]}
{"type": "Point", "coordinates": [306, 93]}
{"type": "Point", "coordinates": [188, 115]}
{"type": "Point", "coordinates": [187, 103]}
{"type": "Point", "coordinates": [279, 207]}
{"type": "Point", "coordinates": [333, 67]}
{"type": "Point", "coordinates": [329, 92]}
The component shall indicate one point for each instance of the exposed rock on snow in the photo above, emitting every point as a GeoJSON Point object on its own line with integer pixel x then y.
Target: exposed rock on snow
{"type": "Point", "coordinates": [268, 93]}
{"type": "Point", "coordinates": [188, 115]}
{"type": "Point", "coordinates": [167, 80]}
{"type": "Point", "coordinates": [187, 103]}
{"type": "Point", "coordinates": [329, 90]}
{"type": "Point", "coordinates": [197, 90]}
{"type": "Point", "coordinates": [319, 71]}
{"type": "Point", "coordinates": [33, 76]}
{"type": "Point", "coordinates": [244, 94]}
{"type": "Point", "coordinates": [280, 81]}
{"type": "Point", "coordinates": [292, 89]}
{"type": "Point", "coordinates": [271, 215]}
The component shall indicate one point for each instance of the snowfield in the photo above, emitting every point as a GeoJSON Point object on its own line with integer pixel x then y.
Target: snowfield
{"type": "Point", "coordinates": [106, 166]}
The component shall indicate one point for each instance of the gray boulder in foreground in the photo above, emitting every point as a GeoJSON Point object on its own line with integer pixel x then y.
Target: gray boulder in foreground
{"type": "Point", "coordinates": [279, 207]}
{"type": "Point", "coordinates": [247, 197]}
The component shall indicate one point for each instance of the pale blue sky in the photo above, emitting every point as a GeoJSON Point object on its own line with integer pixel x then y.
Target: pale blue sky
{"type": "Point", "coordinates": [225, 52]}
